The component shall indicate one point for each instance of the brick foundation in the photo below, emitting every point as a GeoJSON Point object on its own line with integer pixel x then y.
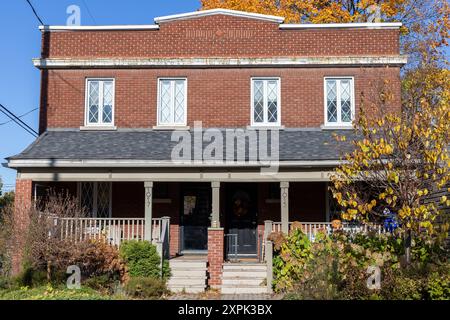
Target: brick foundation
{"type": "Point", "coordinates": [215, 256]}
{"type": "Point", "coordinates": [22, 203]}
{"type": "Point", "coordinates": [174, 243]}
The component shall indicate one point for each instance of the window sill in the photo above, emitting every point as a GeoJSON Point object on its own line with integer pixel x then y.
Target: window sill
{"type": "Point", "coordinates": [263, 127]}
{"type": "Point", "coordinates": [171, 128]}
{"type": "Point", "coordinates": [336, 127]}
{"type": "Point", "coordinates": [98, 128]}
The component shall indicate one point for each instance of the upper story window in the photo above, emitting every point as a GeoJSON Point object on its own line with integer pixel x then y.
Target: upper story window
{"type": "Point", "coordinates": [172, 102]}
{"type": "Point", "coordinates": [339, 101]}
{"type": "Point", "coordinates": [265, 108]}
{"type": "Point", "coordinates": [100, 102]}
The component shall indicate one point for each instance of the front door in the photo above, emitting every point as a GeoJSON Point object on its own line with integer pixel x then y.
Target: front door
{"type": "Point", "coordinates": [242, 205]}
{"type": "Point", "coordinates": [195, 217]}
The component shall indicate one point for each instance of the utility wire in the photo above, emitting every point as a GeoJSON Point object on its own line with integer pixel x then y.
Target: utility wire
{"type": "Point", "coordinates": [18, 121]}
{"type": "Point", "coordinates": [21, 116]}
{"type": "Point", "coordinates": [89, 12]}
{"type": "Point", "coordinates": [35, 13]}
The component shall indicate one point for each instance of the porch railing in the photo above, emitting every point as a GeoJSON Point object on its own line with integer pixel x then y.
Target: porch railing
{"type": "Point", "coordinates": [312, 228]}
{"type": "Point", "coordinates": [111, 230]}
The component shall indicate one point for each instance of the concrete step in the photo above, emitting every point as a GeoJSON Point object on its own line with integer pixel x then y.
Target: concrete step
{"type": "Point", "coordinates": [187, 281]}
{"type": "Point", "coordinates": [244, 266]}
{"type": "Point", "coordinates": [183, 272]}
{"type": "Point", "coordinates": [243, 282]}
{"type": "Point", "coordinates": [185, 264]}
{"type": "Point", "coordinates": [243, 290]}
{"type": "Point", "coordinates": [187, 289]}
{"type": "Point", "coordinates": [244, 274]}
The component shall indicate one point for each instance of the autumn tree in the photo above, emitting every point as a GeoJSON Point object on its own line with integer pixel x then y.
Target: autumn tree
{"type": "Point", "coordinates": [400, 159]}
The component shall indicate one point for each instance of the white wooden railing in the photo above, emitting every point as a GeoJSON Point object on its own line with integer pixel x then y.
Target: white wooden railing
{"type": "Point", "coordinates": [312, 228]}
{"type": "Point", "coordinates": [111, 230]}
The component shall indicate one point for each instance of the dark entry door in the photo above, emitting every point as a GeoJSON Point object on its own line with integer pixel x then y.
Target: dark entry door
{"type": "Point", "coordinates": [195, 216]}
{"type": "Point", "coordinates": [242, 205]}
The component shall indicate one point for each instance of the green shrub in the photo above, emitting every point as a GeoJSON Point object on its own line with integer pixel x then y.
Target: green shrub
{"type": "Point", "coordinates": [145, 288]}
{"type": "Point", "coordinates": [103, 283]}
{"type": "Point", "coordinates": [142, 259]}
{"type": "Point", "coordinates": [438, 286]}
{"type": "Point", "coordinates": [49, 292]}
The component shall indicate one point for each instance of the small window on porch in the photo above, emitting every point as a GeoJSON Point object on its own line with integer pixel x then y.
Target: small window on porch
{"type": "Point", "coordinates": [96, 198]}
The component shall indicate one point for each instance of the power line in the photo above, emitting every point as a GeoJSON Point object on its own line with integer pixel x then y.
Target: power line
{"type": "Point", "coordinates": [18, 121]}
{"type": "Point", "coordinates": [21, 116]}
{"type": "Point", "coordinates": [89, 12]}
{"type": "Point", "coordinates": [35, 13]}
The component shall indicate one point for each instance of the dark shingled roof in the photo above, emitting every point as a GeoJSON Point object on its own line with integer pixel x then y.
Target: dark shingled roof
{"type": "Point", "coordinates": [295, 145]}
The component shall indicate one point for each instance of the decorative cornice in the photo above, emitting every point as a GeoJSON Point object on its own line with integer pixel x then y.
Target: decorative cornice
{"type": "Point", "coordinates": [56, 63]}
{"type": "Point", "coordinates": [205, 13]}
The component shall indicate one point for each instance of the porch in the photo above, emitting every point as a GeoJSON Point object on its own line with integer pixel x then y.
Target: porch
{"type": "Point", "coordinates": [188, 213]}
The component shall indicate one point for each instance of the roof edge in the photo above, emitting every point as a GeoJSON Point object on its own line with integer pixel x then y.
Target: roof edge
{"type": "Point", "coordinates": [228, 12]}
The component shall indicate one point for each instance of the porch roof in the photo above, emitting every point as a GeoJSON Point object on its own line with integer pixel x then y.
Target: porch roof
{"type": "Point", "coordinates": [153, 145]}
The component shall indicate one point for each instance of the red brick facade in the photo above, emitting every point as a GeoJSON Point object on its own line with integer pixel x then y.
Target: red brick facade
{"type": "Point", "coordinates": [221, 36]}
{"type": "Point", "coordinates": [217, 97]}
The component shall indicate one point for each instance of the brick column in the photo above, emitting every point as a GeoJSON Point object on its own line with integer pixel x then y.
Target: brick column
{"type": "Point", "coordinates": [174, 239]}
{"type": "Point", "coordinates": [215, 256]}
{"type": "Point", "coordinates": [22, 204]}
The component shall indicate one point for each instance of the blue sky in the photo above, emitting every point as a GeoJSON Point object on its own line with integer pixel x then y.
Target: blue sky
{"type": "Point", "coordinates": [20, 81]}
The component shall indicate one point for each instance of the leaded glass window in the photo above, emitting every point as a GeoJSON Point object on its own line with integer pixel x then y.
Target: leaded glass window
{"type": "Point", "coordinates": [172, 102]}
{"type": "Point", "coordinates": [95, 197]}
{"type": "Point", "coordinates": [339, 101]}
{"type": "Point", "coordinates": [266, 101]}
{"type": "Point", "coordinates": [100, 102]}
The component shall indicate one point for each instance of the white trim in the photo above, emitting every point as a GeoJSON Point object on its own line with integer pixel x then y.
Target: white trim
{"type": "Point", "coordinates": [102, 163]}
{"type": "Point", "coordinates": [219, 62]}
{"type": "Point", "coordinates": [99, 28]}
{"type": "Point", "coordinates": [366, 25]}
{"type": "Point", "coordinates": [339, 123]}
{"type": "Point", "coordinates": [205, 13]}
{"type": "Point", "coordinates": [100, 124]}
{"type": "Point", "coordinates": [265, 123]}
{"type": "Point", "coordinates": [158, 108]}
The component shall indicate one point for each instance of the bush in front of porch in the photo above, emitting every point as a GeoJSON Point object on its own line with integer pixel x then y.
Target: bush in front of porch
{"type": "Point", "coordinates": [147, 274]}
{"type": "Point", "coordinates": [336, 267]}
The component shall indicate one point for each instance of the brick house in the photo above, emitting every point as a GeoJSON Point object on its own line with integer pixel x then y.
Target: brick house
{"type": "Point", "coordinates": [114, 97]}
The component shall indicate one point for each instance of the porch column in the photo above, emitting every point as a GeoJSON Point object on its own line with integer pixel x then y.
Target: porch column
{"type": "Point", "coordinates": [148, 185]}
{"type": "Point", "coordinates": [284, 186]}
{"type": "Point", "coordinates": [22, 204]}
{"type": "Point", "coordinates": [215, 240]}
{"type": "Point", "coordinates": [215, 216]}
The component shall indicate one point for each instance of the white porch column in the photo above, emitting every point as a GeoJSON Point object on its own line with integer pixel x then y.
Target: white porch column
{"type": "Point", "coordinates": [215, 216]}
{"type": "Point", "coordinates": [284, 187]}
{"type": "Point", "coordinates": [148, 185]}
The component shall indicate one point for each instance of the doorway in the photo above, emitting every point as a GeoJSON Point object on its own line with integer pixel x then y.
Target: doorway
{"type": "Point", "coordinates": [195, 217]}
{"type": "Point", "coordinates": [241, 219]}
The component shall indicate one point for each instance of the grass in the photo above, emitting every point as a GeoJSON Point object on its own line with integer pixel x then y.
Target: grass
{"type": "Point", "coordinates": [48, 292]}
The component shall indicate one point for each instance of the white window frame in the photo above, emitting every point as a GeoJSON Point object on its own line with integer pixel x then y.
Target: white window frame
{"type": "Point", "coordinates": [100, 123]}
{"type": "Point", "coordinates": [265, 123]}
{"type": "Point", "coordinates": [339, 122]}
{"type": "Point", "coordinates": [158, 109]}
{"type": "Point", "coordinates": [95, 197]}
